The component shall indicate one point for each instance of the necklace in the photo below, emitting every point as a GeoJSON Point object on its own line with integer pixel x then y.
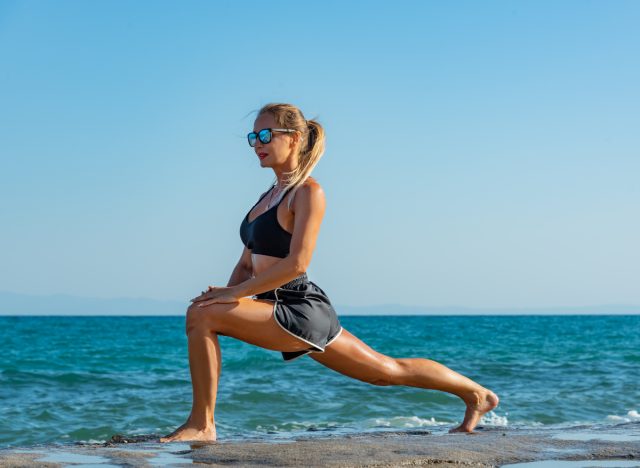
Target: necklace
{"type": "Point", "coordinates": [271, 197]}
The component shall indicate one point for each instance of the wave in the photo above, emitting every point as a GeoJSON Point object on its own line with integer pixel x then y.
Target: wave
{"type": "Point", "coordinates": [404, 421]}
{"type": "Point", "coordinates": [631, 416]}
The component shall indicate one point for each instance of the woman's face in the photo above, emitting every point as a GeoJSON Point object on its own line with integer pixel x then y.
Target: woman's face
{"type": "Point", "coordinates": [279, 149]}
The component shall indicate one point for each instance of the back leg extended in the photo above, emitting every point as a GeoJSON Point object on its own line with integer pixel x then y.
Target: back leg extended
{"type": "Point", "coordinates": [352, 357]}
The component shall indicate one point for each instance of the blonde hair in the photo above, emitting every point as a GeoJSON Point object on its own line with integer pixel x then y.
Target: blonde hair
{"type": "Point", "coordinates": [312, 141]}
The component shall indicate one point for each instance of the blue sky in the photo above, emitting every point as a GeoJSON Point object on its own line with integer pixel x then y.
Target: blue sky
{"type": "Point", "coordinates": [481, 154]}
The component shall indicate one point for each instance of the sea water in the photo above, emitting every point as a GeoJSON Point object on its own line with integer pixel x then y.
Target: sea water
{"type": "Point", "coordinates": [84, 379]}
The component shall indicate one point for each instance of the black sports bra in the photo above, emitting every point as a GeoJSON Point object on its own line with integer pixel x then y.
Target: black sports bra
{"type": "Point", "coordinates": [264, 235]}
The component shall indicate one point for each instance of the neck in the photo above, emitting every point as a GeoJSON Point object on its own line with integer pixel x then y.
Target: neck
{"type": "Point", "coordinates": [279, 184]}
{"type": "Point", "coordinates": [280, 171]}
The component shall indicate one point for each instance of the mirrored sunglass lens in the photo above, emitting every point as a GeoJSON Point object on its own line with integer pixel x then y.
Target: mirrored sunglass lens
{"type": "Point", "coordinates": [265, 135]}
{"type": "Point", "coordinates": [252, 138]}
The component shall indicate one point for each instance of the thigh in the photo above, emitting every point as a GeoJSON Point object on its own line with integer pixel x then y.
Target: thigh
{"type": "Point", "coordinates": [249, 320]}
{"type": "Point", "coordinates": [354, 358]}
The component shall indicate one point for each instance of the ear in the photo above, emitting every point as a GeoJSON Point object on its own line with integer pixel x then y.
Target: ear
{"type": "Point", "coordinates": [295, 138]}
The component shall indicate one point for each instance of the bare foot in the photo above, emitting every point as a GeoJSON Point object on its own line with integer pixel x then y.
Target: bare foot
{"type": "Point", "coordinates": [477, 405]}
{"type": "Point", "coordinates": [188, 433]}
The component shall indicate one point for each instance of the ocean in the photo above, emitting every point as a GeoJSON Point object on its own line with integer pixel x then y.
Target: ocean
{"type": "Point", "coordinates": [66, 379]}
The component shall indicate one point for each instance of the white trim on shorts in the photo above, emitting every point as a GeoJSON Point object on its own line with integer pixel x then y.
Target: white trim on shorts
{"type": "Point", "coordinates": [334, 338]}
{"type": "Point", "coordinates": [275, 318]}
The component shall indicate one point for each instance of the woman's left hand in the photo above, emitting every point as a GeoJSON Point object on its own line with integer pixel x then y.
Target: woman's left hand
{"type": "Point", "coordinates": [216, 295]}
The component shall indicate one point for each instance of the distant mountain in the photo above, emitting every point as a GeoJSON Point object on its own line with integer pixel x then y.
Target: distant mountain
{"type": "Point", "coordinates": [63, 304]}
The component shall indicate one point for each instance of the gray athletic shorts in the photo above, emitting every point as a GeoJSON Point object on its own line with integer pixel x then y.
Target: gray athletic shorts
{"type": "Point", "coordinates": [303, 310]}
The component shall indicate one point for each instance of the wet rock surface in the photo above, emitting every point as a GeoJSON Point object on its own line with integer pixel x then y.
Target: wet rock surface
{"type": "Point", "coordinates": [486, 447]}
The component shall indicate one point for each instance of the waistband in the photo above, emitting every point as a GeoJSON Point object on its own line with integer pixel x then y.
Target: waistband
{"type": "Point", "coordinates": [300, 279]}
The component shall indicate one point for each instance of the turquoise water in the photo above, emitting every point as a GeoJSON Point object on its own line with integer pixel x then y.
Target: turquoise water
{"type": "Point", "coordinates": [67, 379]}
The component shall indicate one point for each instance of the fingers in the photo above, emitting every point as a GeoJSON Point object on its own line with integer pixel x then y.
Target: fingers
{"type": "Point", "coordinates": [225, 299]}
{"type": "Point", "coordinates": [203, 295]}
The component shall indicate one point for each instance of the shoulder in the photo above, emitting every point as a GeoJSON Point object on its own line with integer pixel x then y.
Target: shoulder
{"type": "Point", "coordinates": [308, 195]}
{"type": "Point", "coordinates": [312, 187]}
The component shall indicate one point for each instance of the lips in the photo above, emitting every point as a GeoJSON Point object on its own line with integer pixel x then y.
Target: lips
{"type": "Point", "coordinates": [263, 155]}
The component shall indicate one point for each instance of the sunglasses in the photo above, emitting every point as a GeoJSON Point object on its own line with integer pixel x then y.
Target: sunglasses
{"type": "Point", "coordinates": [265, 135]}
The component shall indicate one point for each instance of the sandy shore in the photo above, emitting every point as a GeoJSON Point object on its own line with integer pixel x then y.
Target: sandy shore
{"type": "Point", "coordinates": [487, 447]}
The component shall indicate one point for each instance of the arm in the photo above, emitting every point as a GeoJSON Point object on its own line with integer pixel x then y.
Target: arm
{"type": "Point", "coordinates": [243, 269]}
{"type": "Point", "coordinates": [308, 207]}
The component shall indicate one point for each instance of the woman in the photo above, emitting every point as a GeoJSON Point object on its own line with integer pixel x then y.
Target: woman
{"type": "Point", "coordinates": [290, 313]}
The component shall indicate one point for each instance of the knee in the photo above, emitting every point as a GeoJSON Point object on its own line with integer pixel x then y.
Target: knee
{"type": "Point", "coordinates": [389, 373]}
{"type": "Point", "coordinates": [195, 318]}
{"type": "Point", "coordinates": [191, 318]}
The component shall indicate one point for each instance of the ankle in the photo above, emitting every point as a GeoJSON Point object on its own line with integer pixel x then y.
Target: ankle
{"type": "Point", "coordinates": [201, 424]}
{"type": "Point", "coordinates": [475, 397]}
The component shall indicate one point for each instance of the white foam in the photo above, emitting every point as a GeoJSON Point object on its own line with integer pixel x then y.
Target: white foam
{"type": "Point", "coordinates": [631, 416]}
{"type": "Point", "coordinates": [396, 421]}
{"type": "Point", "coordinates": [406, 421]}
{"type": "Point", "coordinates": [298, 425]}
{"type": "Point", "coordinates": [92, 441]}
{"type": "Point", "coordinates": [493, 419]}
